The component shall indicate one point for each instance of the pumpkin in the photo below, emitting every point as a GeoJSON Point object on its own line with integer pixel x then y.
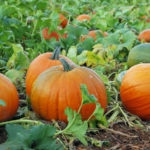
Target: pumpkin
{"type": "Point", "coordinates": [139, 54]}
{"type": "Point", "coordinates": [144, 36]}
{"type": "Point", "coordinates": [135, 90]}
{"type": "Point", "coordinates": [83, 17]}
{"type": "Point", "coordinates": [9, 95]}
{"type": "Point", "coordinates": [93, 34]}
{"type": "Point", "coordinates": [40, 64]}
{"type": "Point", "coordinates": [59, 87]}
{"type": "Point", "coordinates": [63, 20]}
{"type": "Point", "coordinates": [46, 35]}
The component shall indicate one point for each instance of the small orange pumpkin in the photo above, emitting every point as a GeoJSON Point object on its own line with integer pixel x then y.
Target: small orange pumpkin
{"type": "Point", "coordinates": [93, 34]}
{"type": "Point", "coordinates": [8, 94]}
{"type": "Point", "coordinates": [63, 20]}
{"type": "Point", "coordinates": [83, 17]}
{"type": "Point", "coordinates": [40, 64]}
{"type": "Point", "coordinates": [46, 35]}
{"type": "Point", "coordinates": [135, 90]}
{"type": "Point", "coordinates": [59, 87]}
{"type": "Point", "coordinates": [144, 36]}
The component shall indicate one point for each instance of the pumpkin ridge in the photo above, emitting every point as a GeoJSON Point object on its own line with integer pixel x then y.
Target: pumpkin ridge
{"type": "Point", "coordinates": [54, 81]}
{"type": "Point", "coordinates": [139, 111]}
{"type": "Point", "coordinates": [124, 90]}
{"type": "Point", "coordinates": [138, 104]}
{"type": "Point", "coordinates": [60, 99]}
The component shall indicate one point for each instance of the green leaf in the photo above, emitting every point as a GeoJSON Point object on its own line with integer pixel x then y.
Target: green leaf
{"type": "Point", "coordinates": [99, 115]}
{"type": "Point", "coordinates": [73, 35]}
{"type": "Point", "coordinates": [77, 31]}
{"type": "Point", "coordinates": [87, 44]}
{"type": "Point", "coordinates": [75, 124]}
{"type": "Point", "coordinates": [123, 38]}
{"type": "Point", "coordinates": [86, 97]}
{"type": "Point", "coordinates": [2, 103]}
{"type": "Point", "coordinates": [36, 137]}
{"type": "Point", "coordinates": [100, 71]}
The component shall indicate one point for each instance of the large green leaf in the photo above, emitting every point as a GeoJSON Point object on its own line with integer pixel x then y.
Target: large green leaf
{"type": "Point", "coordinates": [36, 137]}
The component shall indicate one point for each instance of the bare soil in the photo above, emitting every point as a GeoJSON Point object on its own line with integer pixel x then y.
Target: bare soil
{"type": "Point", "coordinates": [121, 137]}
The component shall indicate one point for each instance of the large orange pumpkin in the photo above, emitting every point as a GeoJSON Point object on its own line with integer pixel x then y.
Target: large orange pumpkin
{"type": "Point", "coordinates": [59, 87]}
{"type": "Point", "coordinates": [8, 94]}
{"type": "Point", "coordinates": [135, 90]}
{"type": "Point", "coordinates": [40, 64]}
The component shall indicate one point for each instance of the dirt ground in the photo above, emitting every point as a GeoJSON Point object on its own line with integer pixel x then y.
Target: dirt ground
{"type": "Point", "coordinates": [121, 137]}
{"type": "Point", "coordinates": [117, 137]}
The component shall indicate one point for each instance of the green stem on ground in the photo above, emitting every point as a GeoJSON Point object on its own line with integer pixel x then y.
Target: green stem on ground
{"type": "Point", "coordinates": [21, 121]}
{"type": "Point", "coordinates": [125, 116]}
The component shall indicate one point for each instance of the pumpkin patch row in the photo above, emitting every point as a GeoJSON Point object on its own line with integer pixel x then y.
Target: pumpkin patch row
{"type": "Point", "coordinates": [47, 34]}
{"type": "Point", "coordinates": [50, 110]}
{"type": "Point", "coordinates": [53, 84]}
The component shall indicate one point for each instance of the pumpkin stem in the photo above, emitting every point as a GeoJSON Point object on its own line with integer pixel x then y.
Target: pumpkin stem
{"type": "Point", "coordinates": [65, 64]}
{"type": "Point", "coordinates": [55, 55]}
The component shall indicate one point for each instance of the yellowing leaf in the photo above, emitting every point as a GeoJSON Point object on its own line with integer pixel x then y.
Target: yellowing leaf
{"type": "Point", "coordinates": [19, 59]}
{"type": "Point", "coordinates": [90, 59]}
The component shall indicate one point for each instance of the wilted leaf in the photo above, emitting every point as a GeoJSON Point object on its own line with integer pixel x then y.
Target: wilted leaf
{"type": "Point", "coordinates": [90, 59]}
{"type": "Point", "coordinates": [15, 75]}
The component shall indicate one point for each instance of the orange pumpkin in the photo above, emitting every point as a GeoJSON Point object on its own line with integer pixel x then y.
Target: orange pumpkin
{"type": "Point", "coordinates": [59, 87]}
{"type": "Point", "coordinates": [63, 20]}
{"type": "Point", "coordinates": [8, 94]}
{"type": "Point", "coordinates": [40, 64]}
{"type": "Point", "coordinates": [135, 90]}
{"type": "Point", "coordinates": [46, 35]}
{"type": "Point", "coordinates": [144, 36]}
{"type": "Point", "coordinates": [93, 34]}
{"type": "Point", "coordinates": [83, 17]}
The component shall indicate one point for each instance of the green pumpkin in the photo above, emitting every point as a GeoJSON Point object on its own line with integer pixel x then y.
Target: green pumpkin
{"type": "Point", "coordinates": [139, 54]}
